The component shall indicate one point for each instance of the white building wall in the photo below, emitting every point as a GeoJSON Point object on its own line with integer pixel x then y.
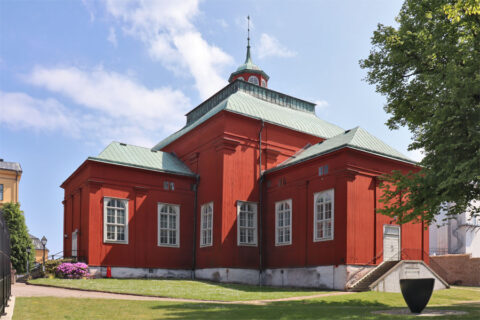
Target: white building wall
{"type": "Point", "coordinates": [456, 236]}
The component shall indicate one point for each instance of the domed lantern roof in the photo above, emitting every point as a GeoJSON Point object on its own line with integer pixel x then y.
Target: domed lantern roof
{"type": "Point", "coordinates": [249, 71]}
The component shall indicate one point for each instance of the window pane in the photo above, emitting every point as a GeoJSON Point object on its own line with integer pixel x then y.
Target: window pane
{"type": "Point", "coordinates": [173, 237]}
{"type": "Point", "coordinates": [172, 221]}
{"type": "Point", "coordinates": [250, 236]}
{"type": "Point", "coordinates": [287, 235]}
{"type": "Point", "coordinates": [319, 230]}
{"type": "Point", "coordinates": [243, 235]}
{"type": "Point", "coordinates": [209, 221]}
{"type": "Point", "coordinates": [110, 232]}
{"type": "Point", "coordinates": [163, 221]}
{"type": "Point", "coordinates": [287, 219]}
{"type": "Point", "coordinates": [110, 216]}
{"type": "Point", "coordinates": [120, 217]}
{"type": "Point", "coordinates": [120, 233]}
{"type": "Point", "coordinates": [163, 236]}
{"type": "Point", "coordinates": [250, 219]}
{"type": "Point", "coordinates": [243, 221]}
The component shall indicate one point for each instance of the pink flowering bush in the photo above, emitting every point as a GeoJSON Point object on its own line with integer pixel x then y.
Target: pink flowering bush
{"type": "Point", "coordinates": [77, 270]}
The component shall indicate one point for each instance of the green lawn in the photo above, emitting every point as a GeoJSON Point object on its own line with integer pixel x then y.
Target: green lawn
{"type": "Point", "coordinates": [180, 289]}
{"type": "Point", "coordinates": [354, 306]}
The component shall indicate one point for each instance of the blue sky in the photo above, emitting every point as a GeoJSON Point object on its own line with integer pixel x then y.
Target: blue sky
{"type": "Point", "coordinates": [76, 75]}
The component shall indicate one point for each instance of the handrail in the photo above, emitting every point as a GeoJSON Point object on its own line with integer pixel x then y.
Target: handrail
{"type": "Point", "coordinates": [368, 263]}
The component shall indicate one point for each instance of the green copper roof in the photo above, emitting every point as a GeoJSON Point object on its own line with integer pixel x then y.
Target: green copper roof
{"type": "Point", "coordinates": [287, 112]}
{"type": "Point", "coordinates": [356, 138]}
{"type": "Point", "coordinates": [143, 158]}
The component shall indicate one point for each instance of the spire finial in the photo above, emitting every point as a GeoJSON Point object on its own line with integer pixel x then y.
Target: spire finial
{"type": "Point", "coordinates": [248, 59]}
{"type": "Point", "coordinates": [248, 30]}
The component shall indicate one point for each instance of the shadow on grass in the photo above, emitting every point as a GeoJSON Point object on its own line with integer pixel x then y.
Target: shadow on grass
{"type": "Point", "coordinates": [349, 309]}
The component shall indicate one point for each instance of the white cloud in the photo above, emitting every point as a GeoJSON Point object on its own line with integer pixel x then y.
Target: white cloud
{"type": "Point", "coordinates": [108, 106]}
{"type": "Point", "coordinates": [270, 47]}
{"type": "Point", "coordinates": [167, 30]}
{"type": "Point", "coordinates": [90, 6]}
{"type": "Point", "coordinates": [20, 111]}
{"type": "Point", "coordinates": [112, 37]}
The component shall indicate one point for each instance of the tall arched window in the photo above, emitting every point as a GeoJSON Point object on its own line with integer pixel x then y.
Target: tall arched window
{"type": "Point", "coordinates": [253, 79]}
{"type": "Point", "coordinates": [264, 83]}
{"type": "Point", "coordinates": [241, 78]}
{"type": "Point", "coordinates": [323, 216]}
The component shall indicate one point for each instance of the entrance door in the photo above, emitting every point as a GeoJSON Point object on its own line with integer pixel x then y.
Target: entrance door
{"type": "Point", "coordinates": [391, 243]}
{"type": "Point", "coordinates": [74, 244]}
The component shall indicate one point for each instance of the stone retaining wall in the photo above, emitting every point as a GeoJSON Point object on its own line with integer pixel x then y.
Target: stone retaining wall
{"type": "Point", "coordinates": [459, 269]}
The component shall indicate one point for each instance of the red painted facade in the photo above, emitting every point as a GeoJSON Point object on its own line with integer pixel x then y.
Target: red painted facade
{"type": "Point", "coordinates": [224, 153]}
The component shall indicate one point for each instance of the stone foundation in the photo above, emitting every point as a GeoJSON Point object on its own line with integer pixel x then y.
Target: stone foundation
{"type": "Point", "coordinates": [321, 277]}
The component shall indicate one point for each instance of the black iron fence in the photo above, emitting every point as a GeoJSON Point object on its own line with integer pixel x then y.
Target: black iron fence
{"type": "Point", "coordinates": [5, 266]}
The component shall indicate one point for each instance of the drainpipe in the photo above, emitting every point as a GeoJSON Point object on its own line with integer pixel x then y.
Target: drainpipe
{"type": "Point", "coordinates": [195, 205]}
{"type": "Point", "coordinates": [374, 220]}
{"type": "Point", "coordinates": [260, 182]}
{"type": "Point", "coordinates": [307, 183]}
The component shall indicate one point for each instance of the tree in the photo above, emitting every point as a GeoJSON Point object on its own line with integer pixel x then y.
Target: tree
{"type": "Point", "coordinates": [19, 238]}
{"type": "Point", "coordinates": [428, 67]}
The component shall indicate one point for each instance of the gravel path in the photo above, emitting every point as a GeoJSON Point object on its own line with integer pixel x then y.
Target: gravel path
{"type": "Point", "coordinates": [24, 290]}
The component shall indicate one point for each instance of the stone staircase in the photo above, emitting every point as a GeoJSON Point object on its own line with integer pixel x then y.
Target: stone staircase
{"type": "Point", "coordinates": [363, 284]}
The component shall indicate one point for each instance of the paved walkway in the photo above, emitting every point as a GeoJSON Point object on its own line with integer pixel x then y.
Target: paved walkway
{"type": "Point", "coordinates": [24, 290]}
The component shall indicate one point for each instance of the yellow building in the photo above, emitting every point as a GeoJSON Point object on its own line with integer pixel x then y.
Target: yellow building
{"type": "Point", "coordinates": [10, 173]}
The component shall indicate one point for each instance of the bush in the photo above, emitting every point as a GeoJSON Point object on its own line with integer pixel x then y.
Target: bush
{"type": "Point", "coordinates": [68, 270]}
{"type": "Point", "coordinates": [52, 265]}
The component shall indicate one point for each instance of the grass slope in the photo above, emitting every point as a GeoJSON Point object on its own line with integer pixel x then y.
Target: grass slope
{"type": "Point", "coordinates": [355, 306]}
{"type": "Point", "coordinates": [180, 289]}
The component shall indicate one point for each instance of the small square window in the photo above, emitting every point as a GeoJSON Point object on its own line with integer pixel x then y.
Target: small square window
{"type": "Point", "coordinates": [320, 171]}
{"type": "Point", "coordinates": [325, 169]}
{"type": "Point", "coordinates": [165, 185]}
{"type": "Point", "coordinates": [172, 186]}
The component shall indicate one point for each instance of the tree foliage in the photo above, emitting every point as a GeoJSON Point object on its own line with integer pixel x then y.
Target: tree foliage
{"type": "Point", "coordinates": [428, 67]}
{"type": "Point", "coordinates": [19, 238]}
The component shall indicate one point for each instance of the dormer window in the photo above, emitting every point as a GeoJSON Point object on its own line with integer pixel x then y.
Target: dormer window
{"type": "Point", "coordinates": [264, 83]}
{"type": "Point", "coordinates": [253, 79]}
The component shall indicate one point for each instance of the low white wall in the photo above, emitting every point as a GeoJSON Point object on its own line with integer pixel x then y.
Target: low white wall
{"type": "Point", "coordinates": [247, 276]}
{"type": "Point", "coordinates": [323, 277]}
{"type": "Point", "coordinates": [406, 270]}
{"type": "Point", "coordinates": [123, 272]}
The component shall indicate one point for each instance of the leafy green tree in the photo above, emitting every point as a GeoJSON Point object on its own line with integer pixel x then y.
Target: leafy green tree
{"type": "Point", "coordinates": [428, 67]}
{"type": "Point", "coordinates": [19, 238]}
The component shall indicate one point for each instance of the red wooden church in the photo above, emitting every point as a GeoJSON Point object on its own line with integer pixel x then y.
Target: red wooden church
{"type": "Point", "coordinates": [255, 188]}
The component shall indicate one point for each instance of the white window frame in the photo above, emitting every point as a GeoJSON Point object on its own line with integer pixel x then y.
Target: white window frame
{"type": "Point", "coordinates": [264, 83]}
{"type": "Point", "coordinates": [277, 220]}
{"type": "Point", "coordinates": [177, 225]}
{"type": "Point", "coordinates": [316, 196]}
{"type": "Point", "coordinates": [257, 82]}
{"type": "Point", "coordinates": [239, 212]}
{"type": "Point", "coordinates": [206, 215]}
{"type": "Point", "coordinates": [105, 223]}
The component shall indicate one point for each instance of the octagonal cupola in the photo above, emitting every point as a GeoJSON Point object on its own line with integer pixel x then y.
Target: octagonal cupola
{"type": "Point", "coordinates": [249, 71]}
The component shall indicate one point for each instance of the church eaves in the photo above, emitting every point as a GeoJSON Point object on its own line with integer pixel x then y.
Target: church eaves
{"type": "Point", "coordinates": [258, 102]}
{"type": "Point", "coordinates": [356, 138]}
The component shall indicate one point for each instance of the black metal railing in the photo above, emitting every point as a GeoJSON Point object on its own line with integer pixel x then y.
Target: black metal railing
{"type": "Point", "coordinates": [5, 265]}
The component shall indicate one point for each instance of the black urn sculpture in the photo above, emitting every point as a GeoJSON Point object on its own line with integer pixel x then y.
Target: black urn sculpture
{"type": "Point", "coordinates": [417, 292]}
